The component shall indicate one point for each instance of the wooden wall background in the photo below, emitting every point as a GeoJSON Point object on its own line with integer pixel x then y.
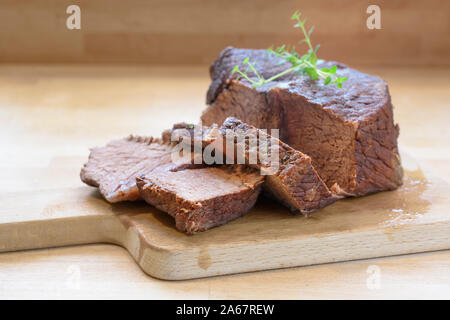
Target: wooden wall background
{"type": "Point", "coordinates": [195, 31]}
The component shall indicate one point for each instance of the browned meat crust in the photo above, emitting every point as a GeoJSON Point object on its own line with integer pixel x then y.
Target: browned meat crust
{"type": "Point", "coordinates": [203, 198]}
{"type": "Point", "coordinates": [349, 133]}
{"type": "Point", "coordinates": [290, 176]}
{"type": "Point", "coordinates": [295, 182]}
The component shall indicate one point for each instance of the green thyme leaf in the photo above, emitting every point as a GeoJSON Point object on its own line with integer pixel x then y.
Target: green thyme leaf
{"type": "Point", "coordinates": [305, 64]}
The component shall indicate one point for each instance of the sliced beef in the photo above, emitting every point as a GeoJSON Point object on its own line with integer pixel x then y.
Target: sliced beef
{"type": "Point", "coordinates": [201, 198]}
{"type": "Point", "coordinates": [189, 132]}
{"type": "Point", "coordinates": [114, 167]}
{"type": "Point", "coordinates": [349, 133]}
{"type": "Point", "coordinates": [290, 176]}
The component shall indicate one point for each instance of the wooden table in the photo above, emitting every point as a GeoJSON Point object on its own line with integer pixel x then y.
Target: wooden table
{"type": "Point", "coordinates": [51, 115]}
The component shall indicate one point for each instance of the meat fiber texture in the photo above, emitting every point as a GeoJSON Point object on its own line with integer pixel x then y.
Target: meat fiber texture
{"type": "Point", "coordinates": [348, 132]}
{"type": "Point", "coordinates": [114, 167]}
{"type": "Point", "coordinates": [289, 174]}
{"type": "Point", "coordinates": [198, 197]}
{"type": "Point", "coordinates": [201, 198]}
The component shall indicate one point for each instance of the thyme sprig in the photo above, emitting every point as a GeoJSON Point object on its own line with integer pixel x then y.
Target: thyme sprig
{"type": "Point", "coordinates": [305, 64]}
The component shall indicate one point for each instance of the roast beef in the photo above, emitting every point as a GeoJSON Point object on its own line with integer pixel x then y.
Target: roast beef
{"type": "Point", "coordinates": [289, 174]}
{"type": "Point", "coordinates": [114, 167]}
{"type": "Point", "coordinates": [201, 198]}
{"type": "Point", "coordinates": [290, 177]}
{"type": "Point", "coordinates": [348, 132]}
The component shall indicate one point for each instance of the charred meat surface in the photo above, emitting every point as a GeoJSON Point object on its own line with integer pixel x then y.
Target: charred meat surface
{"type": "Point", "coordinates": [114, 167]}
{"type": "Point", "coordinates": [201, 198]}
{"type": "Point", "coordinates": [289, 174]}
{"type": "Point", "coordinates": [348, 132]}
{"type": "Point", "coordinates": [290, 178]}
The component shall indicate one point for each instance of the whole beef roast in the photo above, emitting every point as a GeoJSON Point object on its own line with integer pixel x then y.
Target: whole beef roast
{"type": "Point", "coordinates": [201, 198]}
{"type": "Point", "coordinates": [349, 133]}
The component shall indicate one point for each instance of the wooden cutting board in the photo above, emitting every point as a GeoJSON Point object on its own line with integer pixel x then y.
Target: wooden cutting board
{"type": "Point", "coordinates": [414, 218]}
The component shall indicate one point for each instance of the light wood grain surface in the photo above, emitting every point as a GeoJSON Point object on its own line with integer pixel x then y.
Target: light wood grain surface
{"type": "Point", "coordinates": [414, 218]}
{"type": "Point", "coordinates": [195, 31]}
{"type": "Point", "coordinates": [50, 115]}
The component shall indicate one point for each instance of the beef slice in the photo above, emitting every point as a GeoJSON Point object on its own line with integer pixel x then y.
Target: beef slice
{"type": "Point", "coordinates": [114, 167]}
{"type": "Point", "coordinates": [201, 198]}
{"type": "Point", "coordinates": [289, 174]}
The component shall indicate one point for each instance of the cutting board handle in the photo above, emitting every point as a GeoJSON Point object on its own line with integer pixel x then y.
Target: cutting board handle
{"type": "Point", "coordinates": [44, 233]}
